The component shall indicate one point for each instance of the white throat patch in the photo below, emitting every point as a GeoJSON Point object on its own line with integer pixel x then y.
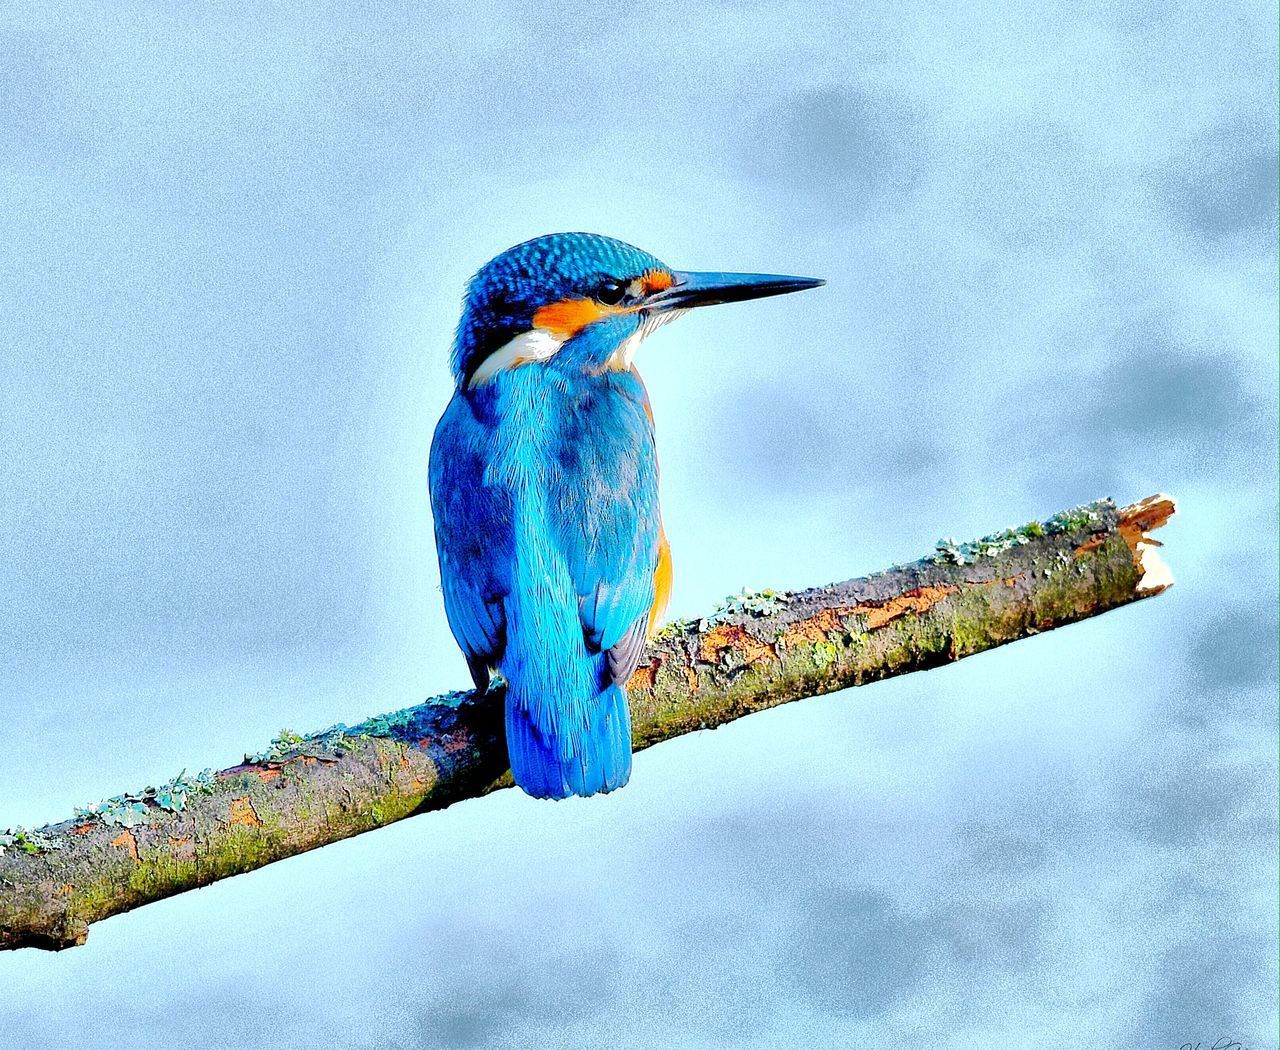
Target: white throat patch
{"type": "Point", "coordinates": [626, 352]}
{"type": "Point", "coordinates": [537, 344]}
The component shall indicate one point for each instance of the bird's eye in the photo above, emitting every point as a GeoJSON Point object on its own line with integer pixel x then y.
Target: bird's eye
{"type": "Point", "coordinates": [611, 292]}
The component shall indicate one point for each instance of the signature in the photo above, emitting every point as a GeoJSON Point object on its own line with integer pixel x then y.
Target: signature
{"type": "Point", "coordinates": [1223, 1043]}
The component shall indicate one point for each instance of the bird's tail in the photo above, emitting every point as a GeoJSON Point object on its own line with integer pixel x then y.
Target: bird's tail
{"type": "Point", "coordinates": [568, 726]}
{"type": "Point", "coordinates": [586, 753]}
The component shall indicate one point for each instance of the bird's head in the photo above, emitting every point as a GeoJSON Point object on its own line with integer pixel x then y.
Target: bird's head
{"type": "Point", "coordinates": [583, 301]}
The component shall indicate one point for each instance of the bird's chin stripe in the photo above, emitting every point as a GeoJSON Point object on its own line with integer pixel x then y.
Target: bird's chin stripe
{"type": "Point", "coordinates": [537, 344]}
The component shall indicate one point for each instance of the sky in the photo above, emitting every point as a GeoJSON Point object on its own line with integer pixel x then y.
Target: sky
{"type": "Point", "coordinates": [235, 246]}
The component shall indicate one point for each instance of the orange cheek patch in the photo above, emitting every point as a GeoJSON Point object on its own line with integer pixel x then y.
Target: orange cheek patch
{"type": "Point", "coordinates": [570, 316]}
{"type": "Point", "coordinates": [657, 281]}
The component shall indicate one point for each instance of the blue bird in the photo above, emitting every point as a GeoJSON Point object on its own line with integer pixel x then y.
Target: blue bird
{"type": "Point", "coordinates": [544, 487]}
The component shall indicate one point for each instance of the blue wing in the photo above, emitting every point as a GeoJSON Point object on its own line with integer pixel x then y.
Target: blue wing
{"type": "Point", "coordinates": [602, 518]}
{"type": "Point", "coordinates": [607, 522]}
{"type": "Point", "coordinates": [473, 538]}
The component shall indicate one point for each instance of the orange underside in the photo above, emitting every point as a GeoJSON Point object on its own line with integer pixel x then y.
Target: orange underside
{"type": "Point", "coordinates": [661, 584]}
{"type": "Point", "coordinates": [662, 574]}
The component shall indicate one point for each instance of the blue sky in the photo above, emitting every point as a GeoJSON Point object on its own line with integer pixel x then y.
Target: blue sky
{"type": "Point", "coordinates": [234, 252]}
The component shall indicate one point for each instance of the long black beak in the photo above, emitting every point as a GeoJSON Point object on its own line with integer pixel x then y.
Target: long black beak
{"type": "Point", "coordinates": [707, 289]}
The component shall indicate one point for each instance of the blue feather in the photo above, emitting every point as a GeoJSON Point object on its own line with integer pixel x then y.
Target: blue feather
{"type": "Point", "coordinates": [545, 497]}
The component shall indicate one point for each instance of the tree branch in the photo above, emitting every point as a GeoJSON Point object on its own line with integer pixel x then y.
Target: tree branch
{"type": "Point", "coordinates": [758, 652]}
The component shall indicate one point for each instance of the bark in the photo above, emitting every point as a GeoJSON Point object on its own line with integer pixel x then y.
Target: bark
{"type": "Point", "coordinates": [758, 652]}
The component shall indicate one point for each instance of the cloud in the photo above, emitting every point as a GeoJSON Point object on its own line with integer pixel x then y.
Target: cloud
{"type": "Point", "coordinates": [1205, 778]}
{"type": "Point", "coordinates": [486, 984]}
{"type": "Point", "coordinates": [479, 1016]}
{"type": "Point", "coordinates": [1162, 405]}
{"type": "Point", "coordinates": [1224, 184]}
{"type": "Point", "coordinates": [215, 328]}
{"type": "Point", "coordinates": [1160, 389]}
{"type": "Point", "coordinates": [1203, 987]}
{"type": "Point", "coordinates": [41, 129]}
{"type": "Point", "coordinates": [848, 149]}
{"type": "Point", "coordinates": [856, 952]}
{"type": "Point", "coordinates": [859, 921]}
{"type": "Point", "coordinates": [801, 437]}
{"type": "Point", "coordinates": [1234, 648]}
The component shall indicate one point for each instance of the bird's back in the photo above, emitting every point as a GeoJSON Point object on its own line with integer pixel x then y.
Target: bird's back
{"type": "Point", "coordinates": [548, 527]}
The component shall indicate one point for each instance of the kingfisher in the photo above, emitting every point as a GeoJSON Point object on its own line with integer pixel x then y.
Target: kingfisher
{"type": "Point", "coordinates": [554, 565]}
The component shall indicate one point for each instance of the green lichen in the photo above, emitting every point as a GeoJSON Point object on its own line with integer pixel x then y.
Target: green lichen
{"type": "Point", "coordinates": [122, 810]}
{"type": "Point", "coordinates": [236, 849]}
{"type": "Point", "coordinates": [951, 552]}
{"type": "Point", "coordinates": [970, 633]}
{"type": "Point", "coordinates": [28, 840]}
{"type": "Point", "coordinates": [162, 872]}
{"type": "Point", "coordinates": [288, 745]}
{"type": "Point", "coordinates": [329, 745]}
{"type": "Point", "coordinates": [753, 603]}
{"type": "Point", "coordinates": [825, 654]}
{"type": "Point", "coordinates": [408, 722]}
{"type": "Point", "coordinates": [672, 629]}
{"type": "Point", "coordinates": [1069, 520]}
{"type": "Point", "coordinates": [173, 794]}
{"type": "Point", "coordinates": [386, 725]}
{"type": "Point", "coordinates": [284, 745]}
{"type": "Point", "coordinates": [132, 808]}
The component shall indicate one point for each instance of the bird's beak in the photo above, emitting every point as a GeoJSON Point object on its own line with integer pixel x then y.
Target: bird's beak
{"type": "Point", "coordinates": [706, 289]}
